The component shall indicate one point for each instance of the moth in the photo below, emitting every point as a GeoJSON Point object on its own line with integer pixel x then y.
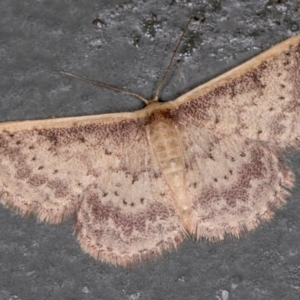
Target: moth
{"type": "Point", "coordinates": [207, 164]}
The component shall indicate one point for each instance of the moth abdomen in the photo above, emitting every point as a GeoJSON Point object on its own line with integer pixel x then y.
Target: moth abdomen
{"type": "Point", "coordinates": [164, 140]}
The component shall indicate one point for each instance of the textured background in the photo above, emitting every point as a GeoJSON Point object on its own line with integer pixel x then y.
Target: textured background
{"type": "Point", "coordinates": [131, 50]}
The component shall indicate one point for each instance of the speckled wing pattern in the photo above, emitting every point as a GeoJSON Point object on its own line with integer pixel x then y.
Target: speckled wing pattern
{"type": "Point", "coordinates": [103, 174]}
{"type": "Point", "coordinates": [258, 99]}
{"type": "Point", "coordinates": [233, 183]}
{"type": "Point", "coordinates": [209, 163]}
{"type": "Point", "coordinates": [248, 117]}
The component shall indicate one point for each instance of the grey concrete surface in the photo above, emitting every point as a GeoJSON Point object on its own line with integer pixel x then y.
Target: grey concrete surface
{"type": "Point", "coordinates": [131, 50]}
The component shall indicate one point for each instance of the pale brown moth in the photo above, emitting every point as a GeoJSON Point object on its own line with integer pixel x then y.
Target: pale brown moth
{"type": "Point", "coordinates": [206, 164]}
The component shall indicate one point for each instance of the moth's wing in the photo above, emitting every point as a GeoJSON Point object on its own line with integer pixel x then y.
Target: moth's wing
{"type": "Point", "coordinates": [233, 182]}
{"type": "Point", "coordinates": [44, 167]}
{"type": "Point", "coordinates": [128, 215]}
{"type": "Point", "coordinates": [259, 99]}
{"type": "Point", "coordinates": [100, 169]}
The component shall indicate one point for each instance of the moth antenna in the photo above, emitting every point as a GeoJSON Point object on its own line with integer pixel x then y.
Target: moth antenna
{"type": "Point", "coordinates": [172, 58]}
{"type": "Point", "coordinates": [107, 86]}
